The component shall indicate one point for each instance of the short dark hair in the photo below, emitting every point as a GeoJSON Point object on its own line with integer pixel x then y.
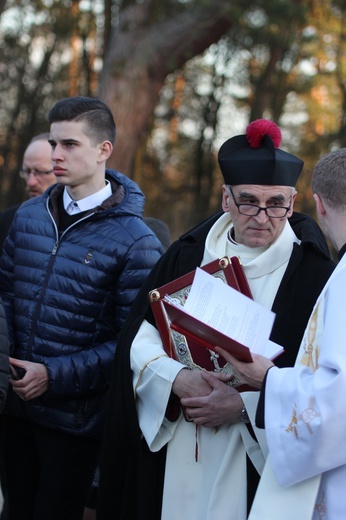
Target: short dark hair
{"type": "Point", "coordinates": [99, 118]}
{"type": "Point", "coordinates": [329, 178]}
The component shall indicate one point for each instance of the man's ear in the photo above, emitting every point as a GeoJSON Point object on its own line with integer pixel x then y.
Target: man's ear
{"type": "Point", "coordinates": [105, 150]}
{"type": "Point", "coordinates": [225, 199]}
{"type": "Point", "coordinates": [290, 212]}
{"type": "Point", "coordinates": [320, 208]}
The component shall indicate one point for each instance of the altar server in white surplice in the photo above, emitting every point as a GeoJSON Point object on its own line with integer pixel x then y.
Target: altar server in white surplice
{"type": "Point", "coordinates": [303, 408]}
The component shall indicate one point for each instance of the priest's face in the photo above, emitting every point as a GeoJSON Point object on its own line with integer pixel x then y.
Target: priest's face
{"type": "Point", "coordinates": [273, 205]}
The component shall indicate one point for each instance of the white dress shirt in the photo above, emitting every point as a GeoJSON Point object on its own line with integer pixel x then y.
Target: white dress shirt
{"type": "Point", "coordinates": [91, 201]}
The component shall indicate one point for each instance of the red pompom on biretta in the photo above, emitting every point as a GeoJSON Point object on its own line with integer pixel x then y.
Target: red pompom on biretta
{"type": "Point", "coordinates": [256, 131]}
{"type": "Point", "coordinates": [255, 157]}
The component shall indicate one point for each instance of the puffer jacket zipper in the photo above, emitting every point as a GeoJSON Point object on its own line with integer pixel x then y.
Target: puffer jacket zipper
{"type": "Point", "coordinates": [48, 272]}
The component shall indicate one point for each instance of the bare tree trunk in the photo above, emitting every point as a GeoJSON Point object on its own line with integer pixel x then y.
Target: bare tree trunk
{"type": "Point", "coordinates": [140, 56]}
{"type": "Point", "coordinates": [2, 6]}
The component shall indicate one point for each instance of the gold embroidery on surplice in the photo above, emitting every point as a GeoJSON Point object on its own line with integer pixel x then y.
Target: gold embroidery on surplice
{"type": "Point", "coordinates": [311, 350]}
{"type": "Point", "coordinates": [292, 427]}
{"type": "Point", "coordinates": [307, 416]}
{"type": "Point", "coordinates": [321, 508]}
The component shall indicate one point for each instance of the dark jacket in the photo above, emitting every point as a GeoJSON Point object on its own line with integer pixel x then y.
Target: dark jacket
{"type": "Point", "coordinates": [132, 476]}
{"type": "Point", "coordinates": [6, 217]}
{"type": "Point", "coordinates": [4, 352]}
{"type": "Point", "coordinates": [67, 297]}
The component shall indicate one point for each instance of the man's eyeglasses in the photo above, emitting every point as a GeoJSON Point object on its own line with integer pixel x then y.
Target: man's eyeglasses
{"type": "Point", "coordinates": [252, 210]}
{"type": "Point", "coordinates": [25, 173]}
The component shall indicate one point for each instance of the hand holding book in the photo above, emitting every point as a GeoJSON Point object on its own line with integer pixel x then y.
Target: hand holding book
{"type": "Point", "coordinates": [251, 374]}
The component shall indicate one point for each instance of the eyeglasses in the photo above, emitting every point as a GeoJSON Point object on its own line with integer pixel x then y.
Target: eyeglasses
{"type": "Point", "coordinates": [252, 210]}
{"type": "Point", "coordinates": [25, 173]}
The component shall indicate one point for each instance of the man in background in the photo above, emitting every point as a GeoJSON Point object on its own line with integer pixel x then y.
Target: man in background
{"type": "Point", "coordinates": [37, 172]}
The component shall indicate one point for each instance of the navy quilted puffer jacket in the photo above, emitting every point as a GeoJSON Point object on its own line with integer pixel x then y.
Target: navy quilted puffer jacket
{"type": "Point", "coordinates": [67, 298]}
{"type": "Point", "coordinates": [4, 368]}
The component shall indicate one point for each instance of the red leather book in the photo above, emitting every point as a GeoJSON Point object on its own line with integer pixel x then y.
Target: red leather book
{"type": "Point", "coordinates": [187, 348]}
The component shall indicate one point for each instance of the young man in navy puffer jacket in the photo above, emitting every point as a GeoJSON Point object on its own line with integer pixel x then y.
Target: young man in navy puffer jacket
{"type": "Point", "coordinates": [73, 262]}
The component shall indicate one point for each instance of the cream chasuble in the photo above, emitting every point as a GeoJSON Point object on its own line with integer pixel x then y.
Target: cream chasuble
{"type": "Point", "coordinates": [214, 485]}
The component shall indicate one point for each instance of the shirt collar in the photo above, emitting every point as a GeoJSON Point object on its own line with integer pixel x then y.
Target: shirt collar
{"type": "Point", "coordinates": [89, 202]}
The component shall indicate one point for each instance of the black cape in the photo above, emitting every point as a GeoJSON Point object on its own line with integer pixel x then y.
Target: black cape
{"type": "Point", "coordinates": [132, 477]}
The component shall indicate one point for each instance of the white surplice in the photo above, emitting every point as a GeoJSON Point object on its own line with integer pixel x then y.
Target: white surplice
{"type": "Point", "coordinates": [213, 484]}
{"type": "Point", "coordinates": [306, 420]}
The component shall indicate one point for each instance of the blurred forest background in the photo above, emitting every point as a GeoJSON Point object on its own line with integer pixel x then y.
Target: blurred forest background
{"type": "Point", "coordinates": [181, 77]}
